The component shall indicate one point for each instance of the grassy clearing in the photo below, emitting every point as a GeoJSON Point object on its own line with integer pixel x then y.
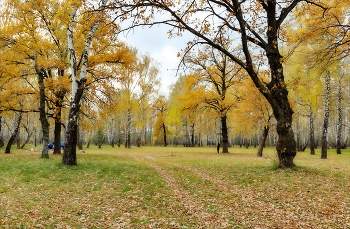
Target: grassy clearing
{"type": "Point", "coordinates": [174, 187]}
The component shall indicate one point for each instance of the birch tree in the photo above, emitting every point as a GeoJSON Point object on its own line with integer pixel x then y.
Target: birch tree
{"type": "Point", "coordinates": [324, 140]}
{"type": "Point", "coordinates": [78, 81]}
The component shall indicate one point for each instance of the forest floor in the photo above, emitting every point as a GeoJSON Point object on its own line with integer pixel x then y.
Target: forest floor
{"type": "Point", "coordinates": [174, 187]}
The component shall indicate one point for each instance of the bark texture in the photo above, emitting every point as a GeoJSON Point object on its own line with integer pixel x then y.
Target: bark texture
{"type": "Point", "coordinates": [224, 134]}
{"type": "Point", "coordinates": [340, 118]}
{"type": "Point", "coordinates": [312, 131]}
{"type": "Point", "coordinates": [45, 125]}
{"type": "Point", "coordinates": [324, 141]}
{"type": "Point", "coordinates": [262, 141]}
{"type": "Point", "coordinates": [164, 134]}
{"type": "Point", "coordinates": [15, 128]}
{"type": "Point", "coordinates": [70, 150]}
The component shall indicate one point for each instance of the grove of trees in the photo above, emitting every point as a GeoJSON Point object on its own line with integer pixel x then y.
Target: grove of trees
{"type": "Point", "coordinates": [259, 72]}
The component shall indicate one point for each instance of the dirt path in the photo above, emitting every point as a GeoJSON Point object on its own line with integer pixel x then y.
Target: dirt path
{"type": "Point", "coordinates": [194, 207]}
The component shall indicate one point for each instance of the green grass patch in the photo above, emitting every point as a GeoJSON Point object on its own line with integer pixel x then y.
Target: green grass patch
{"type": "Point", "coordinates": [173, 187]}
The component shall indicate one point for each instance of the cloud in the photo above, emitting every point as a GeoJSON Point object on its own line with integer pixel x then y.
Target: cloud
{"type": "Point", "coordinates": [155, 42]}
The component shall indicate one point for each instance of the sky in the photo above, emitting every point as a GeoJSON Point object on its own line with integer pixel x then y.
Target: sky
{"type": "Point", "coordinates": [155, 42]}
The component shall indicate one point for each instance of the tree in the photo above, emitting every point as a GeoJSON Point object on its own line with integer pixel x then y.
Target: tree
{"type": "Point", "coordinates": [323, 47]}
{"type": "Point", "coordinates": [219, 75]}
{"type": "Point", "coordinates": [37, 35]}
{"type": "Point", "coordinates": [340, 114]}
{"type": "Point", "coordinates": [45, 126]}
{"type": "Point", "coordinates": [138, 81]}
{"type": "Point", "coordinates": [161, 108]}
{"type": "Point", "coordinates": [97, 63]}
{"type": "Point", "coordinates": [255, 25]}
{"type": "Point", "coordinates": [326, 117]}
{"type": "Point", "coordinates": [255, 112]}
{"type": "Point", "coordinates": [14, 130]}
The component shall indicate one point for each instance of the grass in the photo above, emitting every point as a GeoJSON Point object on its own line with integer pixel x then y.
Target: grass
{"type": "Point", "coordinates": [174, 187]}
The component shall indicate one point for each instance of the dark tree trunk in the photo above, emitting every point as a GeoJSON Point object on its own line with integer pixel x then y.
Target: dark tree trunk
{"type": "Point", "coordinates": [45, 125]}
{"type": "Point", "coordinates": [263, 140]}
{"type": "Point", "coordinates": [192, 136]}
{"type": "Point", "coordinates": [286, 147]}
{"type": "Point", "coordinates": [224, 134]}
{"type": "Point", "coordinates": [164, 134]}
{"type": "Point", "coordinates": [275, 91]}
{"type": "Point", "coordinates": [57, 137]}
{"type": "Point", "coordinates": [16, 125]}
{"type": "Point", "coordinates": [112, 143]}
{"type": "Point", "coordinates": [70, 149]}
{"type": "Point", "coordinates": [58, 124]}
{"type": "Point", "coordinates": [324, 142]}
{"type": "Point", "coordinates": [57, 133]}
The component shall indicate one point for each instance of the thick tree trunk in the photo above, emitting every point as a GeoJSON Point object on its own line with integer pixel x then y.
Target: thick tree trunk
{"type": "Point", "coordinates": [324, 142]}
{"type": "Point", "coordinates": [286, 146]}
{"type": "Point", "coordinates": [78, 86]}
{"type": "Point", "coordinates": [278, 98]}
{"type": "Point", "coordinates": [70, 149]}
{"type": "Point", "coordinates": [16, 125]}
{"type": "Point", "coordinates": [224, 134]}
{"type": "Point", "coordinates": [263, 140]}
{"type": "Point", "coordinates": [45, 125]}
{"type": "Point", "coordinates": [45, 142]}
{"type": "Point", "coordinates": [277, 93]}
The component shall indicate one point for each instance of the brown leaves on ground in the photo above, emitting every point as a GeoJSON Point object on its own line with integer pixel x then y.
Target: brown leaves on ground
{"type": "Point", "coordinates": [145, 189]}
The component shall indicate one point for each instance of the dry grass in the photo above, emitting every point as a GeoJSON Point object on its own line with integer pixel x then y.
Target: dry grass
{"type": "Point", "coordinates": [173, 187]}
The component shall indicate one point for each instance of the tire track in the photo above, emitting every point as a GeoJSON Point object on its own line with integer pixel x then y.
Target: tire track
{"type": "Point", "coordinates": [200, 216]}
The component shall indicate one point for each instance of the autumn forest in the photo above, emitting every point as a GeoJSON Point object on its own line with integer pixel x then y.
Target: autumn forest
{"type": "Point", "coordinates": [258, 73]}
{"type": "Point", "coordinates": [254, 132]}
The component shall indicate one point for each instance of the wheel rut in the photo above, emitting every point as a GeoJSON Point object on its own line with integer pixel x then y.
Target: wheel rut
{"type": "Point", "coordinates": [193, 206]}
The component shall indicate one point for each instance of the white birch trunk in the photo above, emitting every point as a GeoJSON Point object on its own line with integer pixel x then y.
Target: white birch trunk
{"type": "Point", "coordinates": [326, 118]}
{"type": "Point", "coordinates": [340, 118]}
{"type": "Point", "coordinates": [72, 57]}
{"type": "Point", "coordinates": [78, 86]}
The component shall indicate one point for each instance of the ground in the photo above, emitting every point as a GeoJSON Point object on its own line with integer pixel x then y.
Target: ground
{"type": "Point", "coordinates": [173, 187]}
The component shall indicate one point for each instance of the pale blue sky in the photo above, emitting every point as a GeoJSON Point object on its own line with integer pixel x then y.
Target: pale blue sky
{"type": "Point", "coordinates": [154, 41]}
